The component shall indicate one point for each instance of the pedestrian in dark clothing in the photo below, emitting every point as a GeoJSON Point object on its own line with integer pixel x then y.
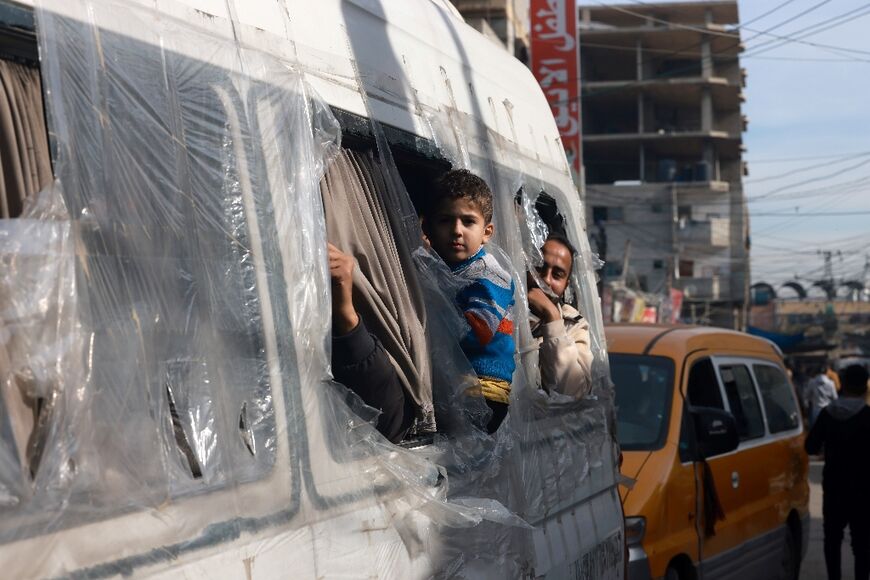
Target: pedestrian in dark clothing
{"type": "Point", "coordinates": [843, 430]}
{"type": "Point", "coordinates": [359, 361]}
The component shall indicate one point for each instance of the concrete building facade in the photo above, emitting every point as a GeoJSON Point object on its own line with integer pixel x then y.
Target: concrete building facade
{"type": "Point", "coordinates": [503, 21]}
{"type": "Point", "coordinates": [662, 89]}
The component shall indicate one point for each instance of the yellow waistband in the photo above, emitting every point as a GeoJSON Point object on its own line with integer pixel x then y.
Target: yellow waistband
{"type": "Point", "coordinates": [496, 390]}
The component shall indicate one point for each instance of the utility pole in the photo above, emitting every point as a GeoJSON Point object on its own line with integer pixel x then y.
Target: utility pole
{"type": "Point", "coordinates": [827, 283]}
{"type": "Point", "coordinates": [675, 218]}
{"type": "Point", "coordinates": [626, 257]}
{"type": "Point", "coordinates": [674, 263]}
{"type": "Point", "coordinates": [829, 266]}
{"type": "Point", "coordinates": [865, 280]}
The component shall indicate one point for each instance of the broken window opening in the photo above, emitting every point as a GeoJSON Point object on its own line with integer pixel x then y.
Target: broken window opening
{"type": "Point", "coordinates": [245, 431]}
{"type": "Point", "coordinates": [25, 169]}
{"type": "Point", "coordinates": [181, 440]}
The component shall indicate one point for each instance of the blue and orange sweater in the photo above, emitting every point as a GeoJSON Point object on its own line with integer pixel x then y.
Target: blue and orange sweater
{"type": "Point", "coordinates": [487, 303]}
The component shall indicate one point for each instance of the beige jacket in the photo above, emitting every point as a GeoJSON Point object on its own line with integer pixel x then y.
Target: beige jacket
{"type": "Point", "coordinates": [565, 358]}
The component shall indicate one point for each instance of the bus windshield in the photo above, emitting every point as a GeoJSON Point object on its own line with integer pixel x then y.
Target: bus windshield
{"type": "Point", "coordinates": [643, 397]}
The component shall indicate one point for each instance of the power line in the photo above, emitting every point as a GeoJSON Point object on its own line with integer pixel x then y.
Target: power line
{"type": "Point", "coordinates": [791, 220]}
{"type": "Point", "coordinates": [772, 195]}
{"type": "Point", "coordinates": [658, 196]}
{"type": "Point", "coordinates": [803, 169]}
{"type": "Point", "coordinates": [787, 194]}
{"type": "Point", "coordinates": [774, 251]}
{"type": "Point", "coordinates": [825, 47]}
{"type": "Point", "coordinates": [792, 19]}
{"type": "Point", "coordinates": [647, 17]}
{"type": "Point", "coordinates": [846, 188]}
{"type": "Point", "coordinates": [731, 35]}
{"type": "Point", "coordinates": [801, 58]}
{"type": "Point", "coordinates": [807, 195]}
{"type": "Point", "coordinates": [737, 28]}
{"type": "Point", "coordinates": [811, 180]}
{"type": "Point", "coordinates": [708, 32]}
{"type": "Point", "coordinates": [813, 214]}
{"type": "Point", "coordinates": [768, 13]}
{"type": "Point", "coordinates": [674, 72]}
{"type": "Point", "coordinates": [826, 242]}
{"type": "Point", "coordinates": [805, 157]}
{"type": "Point", "coordinates": [716, 53]}
{"type": "Point", "coordinates": [816, 28]}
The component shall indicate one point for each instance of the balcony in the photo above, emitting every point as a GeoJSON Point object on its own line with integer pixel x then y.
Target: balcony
{"type": "Point", "coordinates": [662, 38]}
{"type": "Point", "coordinates": [479, 5]}
{"type": "Point", "coordinates": [715, 232]}
{"type": "Point", "coordinates": [700, 288]}
{"type": "Point", "coordinates": [664, 145]}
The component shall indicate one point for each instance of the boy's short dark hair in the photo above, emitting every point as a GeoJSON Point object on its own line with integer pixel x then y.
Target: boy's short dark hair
{"type": "Point", "coordinates": [855, 380]}
{"type": "Point", "coordinates": [462, 184]}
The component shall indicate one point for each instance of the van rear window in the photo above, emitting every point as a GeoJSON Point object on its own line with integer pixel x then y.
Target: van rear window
{"type": "Point", "coordinates": [643, 399]}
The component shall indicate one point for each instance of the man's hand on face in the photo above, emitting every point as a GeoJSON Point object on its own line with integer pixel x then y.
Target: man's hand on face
{"type": "Point", "coordinates": [540, 304]}
{"type": "Point", "coordinates": [344, 315]}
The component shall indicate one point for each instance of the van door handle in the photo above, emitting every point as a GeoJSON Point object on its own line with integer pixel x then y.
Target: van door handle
{"type": "Point", "coordinates": [735, 479]}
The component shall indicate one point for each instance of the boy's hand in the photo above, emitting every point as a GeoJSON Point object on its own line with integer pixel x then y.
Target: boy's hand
{"type": "Point", "coordinates": [344, 315]}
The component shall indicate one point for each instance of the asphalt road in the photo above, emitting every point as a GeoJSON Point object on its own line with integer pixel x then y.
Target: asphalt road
{"type": "Point", "coordinates": [813, 567]}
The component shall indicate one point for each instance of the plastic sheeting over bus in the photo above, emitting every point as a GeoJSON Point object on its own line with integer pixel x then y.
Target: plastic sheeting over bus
{"type": "Point", "coordinates": [165, 332]}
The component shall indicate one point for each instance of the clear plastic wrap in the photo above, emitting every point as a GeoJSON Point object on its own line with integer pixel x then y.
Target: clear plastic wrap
{"type": "Point", "coordinates": [165, 325]}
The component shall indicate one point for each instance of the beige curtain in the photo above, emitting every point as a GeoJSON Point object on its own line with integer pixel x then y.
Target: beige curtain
{"type": "Point", "coordinates": [25, 168]}
{"type": "Point", "coordinates": [25, 164]}
{"type": "Point", "coordinates": [386, 292]}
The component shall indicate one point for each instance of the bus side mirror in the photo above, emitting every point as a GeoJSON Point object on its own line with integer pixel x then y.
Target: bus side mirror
{"type": "Point", "coordinates": [715, 431]}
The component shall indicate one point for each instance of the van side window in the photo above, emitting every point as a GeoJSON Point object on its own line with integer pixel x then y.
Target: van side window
{"type": "Point", "coordinates": [778, 398]}
{"type": "Point", "coordinates": [703, 390]}
{"type": "Point", "coordinates": [742, 400]}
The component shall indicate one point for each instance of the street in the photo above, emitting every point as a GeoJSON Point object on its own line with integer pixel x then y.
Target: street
{"type": "Point", "coordinates": [813, 567]}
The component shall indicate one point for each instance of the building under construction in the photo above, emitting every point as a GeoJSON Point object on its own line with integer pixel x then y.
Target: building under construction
{"type": "Point", "coordinates": [505, 22]}
{"type": "Point", "coordinates": [662, 90]}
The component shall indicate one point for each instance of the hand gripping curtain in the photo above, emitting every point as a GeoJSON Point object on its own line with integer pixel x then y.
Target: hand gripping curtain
{"type": "Point", "coordinates": [386, 292]}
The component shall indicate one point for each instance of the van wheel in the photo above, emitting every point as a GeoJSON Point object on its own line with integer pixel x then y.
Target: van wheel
{"type": "Point", "coordinates": [672, 574]}
{"type": "Point", "coordinates": [790, 563]}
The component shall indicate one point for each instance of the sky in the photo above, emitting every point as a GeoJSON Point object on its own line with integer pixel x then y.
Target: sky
{"type": "Point", "coordinates": [808, 139]}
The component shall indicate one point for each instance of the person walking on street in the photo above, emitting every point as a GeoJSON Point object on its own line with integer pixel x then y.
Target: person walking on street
{"type": "Point", "coordinates": [843, 431]}
{"type": "Point", "coordinates": [821, 392]}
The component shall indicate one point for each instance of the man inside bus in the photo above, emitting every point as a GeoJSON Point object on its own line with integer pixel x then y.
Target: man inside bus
{"type": "Point", "coordinates": [359, 361]}
{"type": "Point", "coordinates": [565, 358]}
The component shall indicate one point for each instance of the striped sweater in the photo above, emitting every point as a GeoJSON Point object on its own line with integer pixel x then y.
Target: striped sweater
{"type": "Point", "coordinates": [487, 302]}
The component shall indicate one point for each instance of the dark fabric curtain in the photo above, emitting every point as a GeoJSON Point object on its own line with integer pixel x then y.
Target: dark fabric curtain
{"type": "Point", "coordinates": [25, 162]}
{"type": "Point", "coordinates": [386, 291]}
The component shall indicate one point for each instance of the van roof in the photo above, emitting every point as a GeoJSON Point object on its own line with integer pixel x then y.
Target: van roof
{"type": "Point", "coordinates": [676, 341]}
{"type": "Point", "coordinates": [417, 59]}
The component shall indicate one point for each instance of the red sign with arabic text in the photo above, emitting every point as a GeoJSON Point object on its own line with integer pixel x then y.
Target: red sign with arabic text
{"type": "Point", "coordinates": [555, 63]}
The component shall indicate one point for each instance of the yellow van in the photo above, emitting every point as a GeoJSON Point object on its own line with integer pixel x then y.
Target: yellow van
{"type": "Point", "coordinates": [710, 429]}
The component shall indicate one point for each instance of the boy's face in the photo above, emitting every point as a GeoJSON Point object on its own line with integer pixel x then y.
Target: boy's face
{"type": "Point", "coordinates": [457, 230]}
